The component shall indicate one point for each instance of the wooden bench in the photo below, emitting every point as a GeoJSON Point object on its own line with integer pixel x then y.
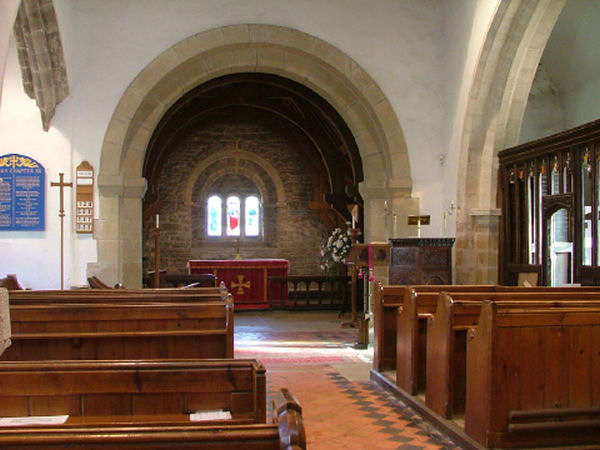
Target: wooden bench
{"type": "Point", "coordinates": [180, 280]}
{"type": "Point", "coordinates": [446, 340]}
{"type": "Point", "coordinates": [97, 391]}
{"type": "Point", "coordinates": [120, 295]}
{"type": "Point", "coordinates": [121, 330]}
{"type": "Point", "coordinates": [532, 377]}
{"type": "Point", "coordinates": [419, 307]}
{"type": "Point", "coordinates": [146, 404]}
{"type": "Point", "coordinates": [386, 301]}
{"type": "Point", "coordinates": [10, 282]}
{"type": "Point", "coordinates": [419, 304]}
{"type": "Point", "coordinates": [285, 432]}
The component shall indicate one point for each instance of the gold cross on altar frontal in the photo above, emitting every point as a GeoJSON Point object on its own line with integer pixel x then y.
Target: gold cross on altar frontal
{"type": "Point", "coordinates": [240, 285]}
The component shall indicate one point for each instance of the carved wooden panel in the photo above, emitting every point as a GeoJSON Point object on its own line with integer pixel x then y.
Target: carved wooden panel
{"type": "Point", "coordinates": [421, 261]}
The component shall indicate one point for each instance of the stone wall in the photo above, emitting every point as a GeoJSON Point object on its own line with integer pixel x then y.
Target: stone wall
{"type": "Point", "coordinates": [243, 158]}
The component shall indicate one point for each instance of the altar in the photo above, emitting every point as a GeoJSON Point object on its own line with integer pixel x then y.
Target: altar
{"type": "Point", "coordinates": [246, 279]}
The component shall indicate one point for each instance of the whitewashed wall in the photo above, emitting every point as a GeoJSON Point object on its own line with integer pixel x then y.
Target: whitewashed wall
{"type": "Point", "coordinates": [34, 256]}
{"type": "Point", "coordinates": [566, 90]}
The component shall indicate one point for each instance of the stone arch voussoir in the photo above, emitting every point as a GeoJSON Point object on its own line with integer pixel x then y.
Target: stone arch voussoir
{"type": "Point", "coordinates": [509, 58]}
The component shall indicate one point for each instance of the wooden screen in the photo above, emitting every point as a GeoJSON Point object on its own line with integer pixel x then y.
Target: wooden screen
{"type": "Point", "coordinates": [550, 197]}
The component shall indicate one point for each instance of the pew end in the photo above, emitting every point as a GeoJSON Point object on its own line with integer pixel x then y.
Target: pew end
{"type": "Point", "coordinates": [287, 413]}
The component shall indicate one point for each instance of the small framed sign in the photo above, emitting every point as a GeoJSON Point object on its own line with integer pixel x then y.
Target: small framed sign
{"type": "Point", "coordinates": [84, 198]}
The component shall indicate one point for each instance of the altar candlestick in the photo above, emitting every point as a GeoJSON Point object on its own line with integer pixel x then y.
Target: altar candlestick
{"type": "Point", "coordinates": [157, 221]}
{"type": "Point", "coordinates": [395, 225]}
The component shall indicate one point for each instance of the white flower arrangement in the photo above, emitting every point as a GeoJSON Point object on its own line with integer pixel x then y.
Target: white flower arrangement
{"type": "Point", "coordinates": [335, 249]}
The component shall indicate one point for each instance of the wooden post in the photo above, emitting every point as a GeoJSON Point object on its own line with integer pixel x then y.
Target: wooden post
{"type": "Point", "coordinates": [157, 253]}
{"type": "Point", "coordinates": [354, 233]}
{"type": "Point", "coordinates": [61, 213]}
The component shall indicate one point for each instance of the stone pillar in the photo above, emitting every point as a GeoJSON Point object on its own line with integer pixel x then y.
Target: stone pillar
{"type": "Point", "coordinates": [5, 330]}
{"type": "Point", "coordinates": [476, 249]}
{"type": "Point", "coordinates": [118, 231]}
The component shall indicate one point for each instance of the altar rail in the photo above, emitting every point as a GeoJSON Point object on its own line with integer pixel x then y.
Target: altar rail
{"type": "Point", "coordinates": [310, 292]}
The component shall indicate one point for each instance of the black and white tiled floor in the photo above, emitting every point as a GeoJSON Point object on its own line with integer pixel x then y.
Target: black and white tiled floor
{"type": "Point", "coordinates": [312, 356]}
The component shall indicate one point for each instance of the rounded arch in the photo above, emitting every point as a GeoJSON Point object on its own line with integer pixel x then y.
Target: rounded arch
{"type": "Point", "coordinates": [231, 49]}
{"type": "Point", "coordinates": [508, 61]}
{"type": "Point", "coordinates": [277, 199]}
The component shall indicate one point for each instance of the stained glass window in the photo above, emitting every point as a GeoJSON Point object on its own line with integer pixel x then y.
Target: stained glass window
{"type": "Point", "coordinates": [252, 218]}
{"type": "Point", "coordinates": [233, 216]}
{"type": "Point", "coordinates": [214, 216]}
{"type": "Point", "coordinates": [228, 217]}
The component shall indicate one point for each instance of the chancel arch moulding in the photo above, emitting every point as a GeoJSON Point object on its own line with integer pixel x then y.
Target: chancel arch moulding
{"type": "Point", "coordinates": [233, 49]}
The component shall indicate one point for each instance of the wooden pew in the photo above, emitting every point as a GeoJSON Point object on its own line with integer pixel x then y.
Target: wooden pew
{"type": "Point", "coordinates": [97, 283]}
{"type": "Point", "coordinates": [419, 307]}
{"type": "Point", "coordinates": [533, 377]}
{"type": "Point", "coordinates": [386, 301]}
{"type": "Point", "coordinates": [446, 340]}
{"type": "Point", "coordinates": [146, 404]}
{"type": "Point", "coordinates": [121, 330]}
{"type": "Point", "coordinates": [285, 432]}
{"type": "Point", "coordinates": [119, 295]}
{"type": "Point", "coordinates": [102, 392]}
{"type": "Point", "coordinates": [411, 331]}
{"type": "Point", "coordinates": [10, 282]}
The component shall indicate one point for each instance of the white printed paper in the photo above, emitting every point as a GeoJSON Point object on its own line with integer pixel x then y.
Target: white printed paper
{"type": "Point", "coordinates": [199, 416]}
{"type": "Point", "coordinates": [32, 420]}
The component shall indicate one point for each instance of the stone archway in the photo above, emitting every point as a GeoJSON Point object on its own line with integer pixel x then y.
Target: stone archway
{"type": "Point", "coordinates": [232, 49]}
{"type": "Point", "coordinates": [274, 176]}
{"type": "Point", "coordinates": [509, 59]}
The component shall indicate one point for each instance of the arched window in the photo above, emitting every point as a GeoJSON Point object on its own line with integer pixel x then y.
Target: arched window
{"type": "Point", "coordinates": [213, 226]}
{"type": "Point", "coordinates": [239, 216]}
{"type": "Point", "coordinates": [252, 223]}
{"type": "Point", "coordinates": [233, 216]}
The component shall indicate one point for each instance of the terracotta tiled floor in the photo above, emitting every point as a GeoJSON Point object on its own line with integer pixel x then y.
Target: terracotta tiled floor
{"type": "Point", "coordinates": [313, 356]}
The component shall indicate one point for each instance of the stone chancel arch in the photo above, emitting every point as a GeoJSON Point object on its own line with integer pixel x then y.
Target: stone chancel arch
{"type": "Point", "coordinates": [508, 61]}
{"type": "Point", "coordinates": [232, 49]}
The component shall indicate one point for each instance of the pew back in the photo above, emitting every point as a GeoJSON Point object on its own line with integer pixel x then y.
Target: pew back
{"type": "Point", "coordinates": [411, 331]}
{"type": "Point", "coordinates": [145, 404]}
{"type": "Point", "coordinates": [446, 340]}
{"type": "Point", "coordinates": [412, 328]}
{"type": "Point", "coordinates": [286, 432]}
{"type": "Point", "coordinates": [121, 331]}
{"type": "Point", "coordinates": [542, 361]}
{"type": "Point", "coordinates": [116, 295]}
{"type": "Point", "coordinates": [99, 390]}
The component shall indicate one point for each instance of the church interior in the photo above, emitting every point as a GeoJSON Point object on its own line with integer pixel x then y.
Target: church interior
{"type": "Point", "coordinates": [401, 198]}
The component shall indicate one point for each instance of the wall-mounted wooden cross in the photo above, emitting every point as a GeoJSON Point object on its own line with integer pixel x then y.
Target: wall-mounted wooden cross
{"type": "Point", "coordinates": [61, 213]}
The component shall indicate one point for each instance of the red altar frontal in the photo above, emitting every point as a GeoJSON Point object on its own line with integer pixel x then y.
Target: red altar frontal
{"type": "Point", "coordinates": [246, 279]}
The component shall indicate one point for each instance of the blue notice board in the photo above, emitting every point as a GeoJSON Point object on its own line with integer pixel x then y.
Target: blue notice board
{"type": "Point", "coordinates": [22, 193]}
